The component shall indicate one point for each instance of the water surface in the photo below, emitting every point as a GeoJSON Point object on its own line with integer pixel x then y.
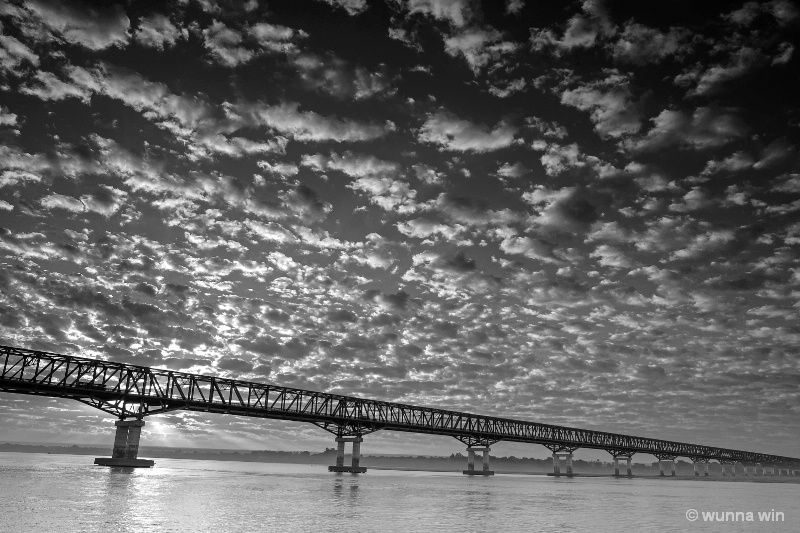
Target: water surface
{"type": "Point", "coordinates": [66, 493]}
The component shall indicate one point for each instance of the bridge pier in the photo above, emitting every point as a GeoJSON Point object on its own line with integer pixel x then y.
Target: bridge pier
{"type": "Point", "coordinates": [557, 457]}
{"type": "Point", "coordinates": [697, 463]}
{"type": "Point", "coordinates": [661, 466]}
{"type": "Point", "coordinates": [484, 470]}
{"type": "Point", "coordinates": [126, 446]}
{"type": "Point", "coordinates": [355, 465]}
{"type": "Point", "coordinates": [628, 469]}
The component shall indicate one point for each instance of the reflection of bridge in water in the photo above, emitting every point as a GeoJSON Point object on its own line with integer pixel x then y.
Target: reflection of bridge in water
{"type": "Point", "coordinates": [132, 392]}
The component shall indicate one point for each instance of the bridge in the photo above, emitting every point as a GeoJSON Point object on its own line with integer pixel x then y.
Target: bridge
{"type": "Point", "coordinates": [132, 392]}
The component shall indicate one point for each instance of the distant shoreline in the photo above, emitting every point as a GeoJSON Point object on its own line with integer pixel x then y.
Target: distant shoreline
{"type": "Point", "coordinates": [514, 466]}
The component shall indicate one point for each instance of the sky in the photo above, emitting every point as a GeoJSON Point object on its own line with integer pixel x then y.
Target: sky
{"type": "Point", "coordinates": [584, 214]}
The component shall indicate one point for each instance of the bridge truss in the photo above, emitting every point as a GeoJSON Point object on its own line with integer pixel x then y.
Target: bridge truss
{"type": "Point", "coordinates": [132, 391]}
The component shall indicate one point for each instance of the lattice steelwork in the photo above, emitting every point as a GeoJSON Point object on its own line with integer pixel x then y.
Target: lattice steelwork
{"type": "Point", "coordinates": [127, 390]}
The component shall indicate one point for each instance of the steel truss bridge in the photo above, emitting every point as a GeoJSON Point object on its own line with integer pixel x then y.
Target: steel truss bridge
{"type": "Point", "coordinates": [132, 391]}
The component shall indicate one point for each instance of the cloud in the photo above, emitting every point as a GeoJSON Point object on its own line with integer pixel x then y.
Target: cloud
{"type": "Point", "coordinates": [559, 158]}
{"type": "Point", "coordinates": [582, 30]}
{"type": "Point", "coordinates": [513, 7]}
{"type": "Point", "coordinates": [377, 252]}
{"type": "Point", "coordinates": [712, 80]}
{"type": "Point", "coordinates": [611, 105]}
{"type": "Point", "coordinates": [735, 162]}
{"type": "Point", "coordinates": [14, 53]}
{"type": "Point", "coordinates": [510, 88]}
{"type": "Point", "coordinates": [456, 12]}
{"type": "Point", "coordinates": [190, 118]}
{"type": "Point", "coordinates": [157, 31]}
{"type": "Point", "coordinates": [517, 170]}
{"type": "Point", "coordinates": [7, 118]}
{"type": "Point", "coordinates": [707, 127]}
{"type": "Point", "coordinates": [479, 47]}
{"type": "Point", "coordinates": [450, 275]}
{"type": "Point", "coordinates": [463, 210]}
{"type": "Point", "coordinates": [13, 178]}
{"type": "Point", "coordinates": [452, 133]}
{"type": "Point", "coordinates": [224, 45]}
{"type": "Point", "coordinates": [568, 209]}
{"type": "Point", "coordinates": [784, 54]}
{"type": "Point", "coordinates": [105, 200]}
{"type": "Point", "coordinates": [94, 28]}
{"type": "Point", "coordinates": [405, 37]}
{"type": "Point", "coordinates": [776, 153]}
{"type": "Point", "coordinates": [286, 170]}
{"type": "Point", "coordinates": [274, 37]}
{"type": "Point", "coordinates": [641, 45]}
{"type": "Point", "coordinates": [311, 126]}
{"type": "Point", "coordinates": [427, 174]}
{"type": "Point", "coordinates": [269, 232]}
{"type": "Point", "coordinates": [59, 201]}
{"type": "Point", "coordinates": [787, 183]}
{"type": "Point", "coordinates": [745, 15]}
{"type": "Point", "coordinates": [423, 227]}
{"type": "Point", "coordinates": [390, 194]}
{"type": "Point", "coordinates": [530, 247]}
{"type": "Point", "coordinates": [783, 11]}
{"type": "Point", "coordinates": [335, 77]}
{"type": "Point", "coordinates": [353, 7]}
{"type": "Point", "coordinates": [692, 201]}
{"type": "Point", "coordinates": [610, 256]}
{"type": "Point", "coordinates": [48, 86]}
{"type": "Point", "coordinates": [352, 164]}
{"type": "Point", "coordinates": [545, 128]}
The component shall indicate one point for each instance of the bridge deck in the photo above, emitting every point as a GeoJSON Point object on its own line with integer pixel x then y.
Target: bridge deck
{"type": "Point", "coordinates": [126, 390]}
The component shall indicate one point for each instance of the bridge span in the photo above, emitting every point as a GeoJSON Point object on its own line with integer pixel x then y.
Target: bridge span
{"type": "Point", "coordinates": [132, 392]}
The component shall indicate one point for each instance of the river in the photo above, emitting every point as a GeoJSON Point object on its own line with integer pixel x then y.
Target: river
{"type": "Point", "coordinates": [66, 493]}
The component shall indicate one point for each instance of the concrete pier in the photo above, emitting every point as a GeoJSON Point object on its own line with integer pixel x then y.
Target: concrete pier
{"type": "Point", "coordinates": [628, 469]}
{"type": "Point", "coordinates": [557, 458]}
{"type": "Point", "coordinates": [126, 446]}
{"type": "Point", "coordinates": [661, 466]}
{"type": "Point", "coordinates": [484, 470]}
{"type": "Point", "coordinates": [355, 465]}
{"type": "Point", "coordinates": [704, 462]}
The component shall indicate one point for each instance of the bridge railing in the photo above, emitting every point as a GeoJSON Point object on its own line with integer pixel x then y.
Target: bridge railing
{"type": "Point", "coordinates": [132, 390]}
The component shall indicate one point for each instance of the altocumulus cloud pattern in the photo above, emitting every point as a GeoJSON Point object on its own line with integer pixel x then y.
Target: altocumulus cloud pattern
{"type": "Point", "coordinates": [577, 213]}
